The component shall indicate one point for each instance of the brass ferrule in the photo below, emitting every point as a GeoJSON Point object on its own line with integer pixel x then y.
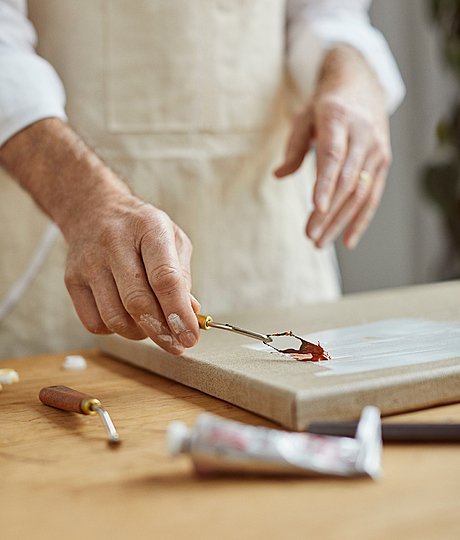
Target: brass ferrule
{"type": "Point", "coordinates": [204, 321]}
{"type": "Point", "coordinates": [87, 406]}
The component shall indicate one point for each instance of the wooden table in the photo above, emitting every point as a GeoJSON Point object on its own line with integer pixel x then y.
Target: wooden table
{"type": "Point", "coordinates": [59, 479]}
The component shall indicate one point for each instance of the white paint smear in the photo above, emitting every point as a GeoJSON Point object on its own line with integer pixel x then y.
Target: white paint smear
{"type": "Point", "coordinates": [384, 344]}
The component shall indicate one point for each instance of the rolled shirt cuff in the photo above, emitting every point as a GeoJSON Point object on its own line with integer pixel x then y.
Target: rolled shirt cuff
{"type": "Point", "coordinates": [30, 90]}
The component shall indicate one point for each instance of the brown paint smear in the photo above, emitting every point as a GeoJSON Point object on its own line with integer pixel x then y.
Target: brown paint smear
{"type": "Point", "coordinates": [307, 351]}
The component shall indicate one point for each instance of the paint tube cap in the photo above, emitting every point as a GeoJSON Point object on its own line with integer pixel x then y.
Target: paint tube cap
{"type": "Point", "coordinates": [178, 438]}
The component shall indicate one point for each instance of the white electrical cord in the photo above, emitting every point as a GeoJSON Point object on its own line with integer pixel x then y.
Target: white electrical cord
{"type": "Point", "coordinates": [19, 287]}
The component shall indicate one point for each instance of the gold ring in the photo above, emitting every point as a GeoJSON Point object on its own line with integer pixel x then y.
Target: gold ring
{"type": "Point", "coordinates": [365, 178]}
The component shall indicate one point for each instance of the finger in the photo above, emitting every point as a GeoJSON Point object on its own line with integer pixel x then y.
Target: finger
{"type": "Point", "coordinates": [86, 308]}
{"type": "Point", "coordinates": [346, 183]}
{"type": "Point", "coordinates": [298, 146]}
{"type": "Point", "coordinates": [361, 220]}
{"type": "Point", "coordinates": [331, 147]}
{"type": "Point", "coordinates": [158, 331]}
{"type": "Point", "coordinates": [139, 301]}
{"type": "Point", "coordinates": [184, 253]}
{"type": "Point", "coordinates": [111, 309]}
{"type": "Point", "coordinates": [166, 279]}
{"type": "Point", "coordinates": [352, 205]}
{"type": "Point", "coordinates": [196, 306]}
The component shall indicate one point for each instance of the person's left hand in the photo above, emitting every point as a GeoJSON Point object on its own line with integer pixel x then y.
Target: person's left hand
{"type": "Point", "coordinates": [346, 119]}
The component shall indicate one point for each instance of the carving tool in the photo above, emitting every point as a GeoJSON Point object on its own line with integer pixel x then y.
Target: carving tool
{"type": "Point", "coordinates": [298, 348]}
{"type": "Point", "coordinates": [67, 399]}
{"type": "Point", "coordinates": [206, 322]}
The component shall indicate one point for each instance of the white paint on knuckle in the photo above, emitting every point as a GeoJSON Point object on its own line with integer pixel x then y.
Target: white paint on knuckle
{"type": "Point", "coordinates": [315, 232]}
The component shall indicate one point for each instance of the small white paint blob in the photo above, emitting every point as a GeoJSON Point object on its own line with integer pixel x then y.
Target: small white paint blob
{"type": "Point", "coordinates": [74, 362]}
{"type": "Point", "coordinates": [8, 376]}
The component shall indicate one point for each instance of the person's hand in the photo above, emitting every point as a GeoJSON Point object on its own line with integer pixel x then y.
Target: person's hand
{"type": "Point", "coordinates": [346, 120]}
{"type": "Point", "coordinates": [128, 265]}
{"type": "Point", "coordinates": [128, 272]}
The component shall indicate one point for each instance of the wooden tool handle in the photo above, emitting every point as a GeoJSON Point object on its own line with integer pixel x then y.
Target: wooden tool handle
{"type": "Point", "coordinates": [67, 399]}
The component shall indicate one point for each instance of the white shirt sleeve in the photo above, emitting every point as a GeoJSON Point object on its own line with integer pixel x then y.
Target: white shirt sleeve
{"type": "Point", "coordinates": [30, 89]}
{"type": "Point", "coordinates": [314, 26]}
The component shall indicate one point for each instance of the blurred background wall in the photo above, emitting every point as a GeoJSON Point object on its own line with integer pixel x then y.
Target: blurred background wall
{"type": "Point", "coordinates": [406, 242]}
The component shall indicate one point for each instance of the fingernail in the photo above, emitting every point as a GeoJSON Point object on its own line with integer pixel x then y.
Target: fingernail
{"type": "Point", "coordinates": [187, 339]}
{"type": "Point", "coordinates": [352, 242]}
{"type": "Point", "coordinates": [325, 243]}
{"type": "Point", "coordinates": [279, 172]}
{"type": "Point", "coordinates": [177, 324]}
{"type": "Point", "coordinates": [323, 202]}
{"type": "Point", "coordinates": [195, 303]}
{"type": "Point", "coordinates": [315, 233]}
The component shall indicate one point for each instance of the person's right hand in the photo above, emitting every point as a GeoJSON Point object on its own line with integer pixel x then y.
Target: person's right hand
{"type": "Point", "coordinates": [128, 266]}
{"type": "Point", "coordinates": [128, 272]}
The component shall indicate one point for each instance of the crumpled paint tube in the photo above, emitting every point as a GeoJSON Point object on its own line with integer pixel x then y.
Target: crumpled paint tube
{"type": "Point", "coordinates": [218, 445]}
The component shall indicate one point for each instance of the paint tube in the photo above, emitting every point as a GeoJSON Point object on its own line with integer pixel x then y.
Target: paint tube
{"type": "Point", "coordinates": [217, 445]}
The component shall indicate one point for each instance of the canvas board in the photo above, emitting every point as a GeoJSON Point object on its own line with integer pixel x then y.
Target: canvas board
{"type": "Point", "coordinates": [398, 349]}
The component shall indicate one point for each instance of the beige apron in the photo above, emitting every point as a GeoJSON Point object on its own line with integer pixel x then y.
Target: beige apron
{"type": "Point", "coordinates": [187, 101]}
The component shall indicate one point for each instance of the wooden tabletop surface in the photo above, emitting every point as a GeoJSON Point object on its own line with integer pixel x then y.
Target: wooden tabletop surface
{"type": "Point", "coordinates": [59, 479]}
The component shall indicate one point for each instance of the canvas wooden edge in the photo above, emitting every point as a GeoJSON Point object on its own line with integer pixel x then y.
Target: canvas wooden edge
{"type": "Point", "coordinates": [429, 386]}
